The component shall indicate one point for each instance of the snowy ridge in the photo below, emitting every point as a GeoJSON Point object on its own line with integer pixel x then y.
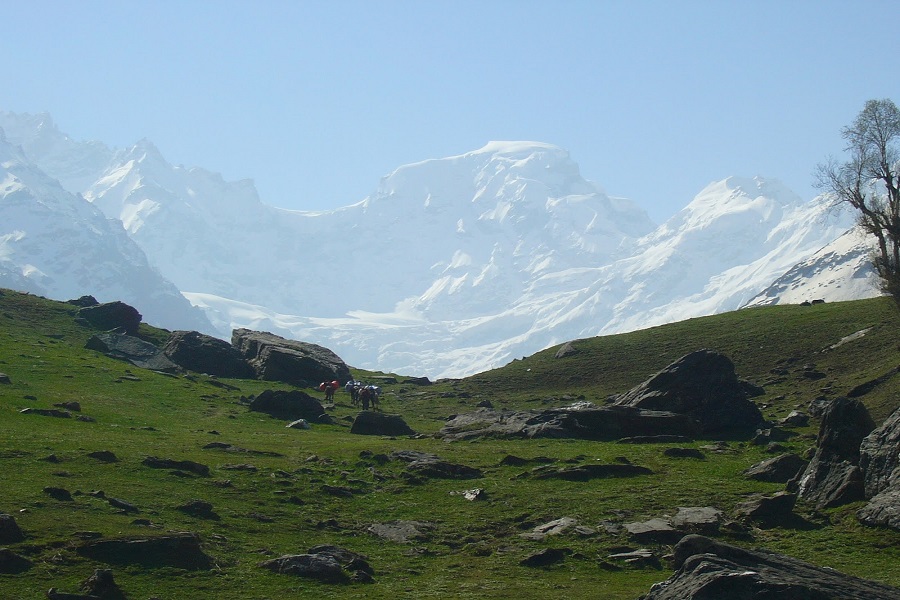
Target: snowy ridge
{"type": "Point", "coordinates": [58, 245]}
{"type": "Point", "coordinates": [459, 264]}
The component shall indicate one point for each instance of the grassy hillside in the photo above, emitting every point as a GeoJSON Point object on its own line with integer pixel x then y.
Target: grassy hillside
{"type": "Point", "coordinates": [468, 548]}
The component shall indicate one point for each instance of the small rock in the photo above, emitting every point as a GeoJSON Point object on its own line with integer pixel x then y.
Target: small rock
{"type": "Point", "coordinates": [10, 533]}
{"type": "Point", "coordinates": [58, 493]}
{"type": "Point", "coordinates": [545, 557]}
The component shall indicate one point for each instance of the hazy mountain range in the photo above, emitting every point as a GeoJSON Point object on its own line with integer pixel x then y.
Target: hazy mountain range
{"type": "Point", "coordinates": [451, 266]}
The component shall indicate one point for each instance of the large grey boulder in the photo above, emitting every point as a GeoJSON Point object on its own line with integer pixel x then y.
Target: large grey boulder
{"type": "Point", "coordinates": [779, 469]}
{"type": "Point", "coordinates": [703, 386]}
{"type": "Point", "coordinates": [203, 353]}
{"type": "Point", "coordinates": [325, 563]}
{"type": "Point", "coordinates": [880, 461]}
{"type": "Point", "coordinates": [131, 349]}
{"type": "Point", "coordinates": [288, 405]}
{"type": "Point", "coordinates": [275, 358]}
{"type": "Point", "coordinates": [879, 456]}
{"type": "Point", "coordinates": [708, 570]}
{"type": "Point", "coordinates": [375, 423]}
{"type": "Point", "coordinates": [111, 316]}
{"type": "Point", "coordinates": [833, 476]}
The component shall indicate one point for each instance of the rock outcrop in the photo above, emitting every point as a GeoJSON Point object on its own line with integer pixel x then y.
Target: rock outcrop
{"type": "Point", "coordinates": [180, 550]}
{"type": "Point", "coordinates": [111, 316]}
{"type": "Point", "coordinates": [132, 349]}
{"type": "Point", "coordinates": [288, 405]}
{"type": "Point", "coordinates": [203, 353]}
{"type": "Point", "coordinates": [708, 569]}
{"type": "Point", "coordinates": [880, 461]}
{"type": "Point", "coordinates": [834, 476]}
{"type": "Point", "coordinates": [703, 386]}
{"type": "Point", "coordinates": [275, 358]}
{"type": "Point", "coordinates": [375, 423]}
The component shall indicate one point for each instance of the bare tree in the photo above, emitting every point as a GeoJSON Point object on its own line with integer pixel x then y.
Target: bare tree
{"type": "Point", "coordinates": [870, 182]}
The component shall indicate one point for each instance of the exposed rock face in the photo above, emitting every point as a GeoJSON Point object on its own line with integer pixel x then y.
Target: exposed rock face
{"type": "Point", "coordinates": [703, 386]}
{"type": "Point", "coordinates": [288, 405]}
{"type": "Point", "coordinates": [833, 476]}
{"type": "Point", "coordinates": [708, 569]}
{"type": "Point", "coordinates": [768, 511]}
{"type": "Point", "coordinates": [376, 423]}
{"type": "Point", "coordinates": [883, 510]}
{"type": "Point", "coordinates": [582, 422]}
{"type": "Point", "coordinates": [879, 456]}
{"type": "Point", "coordinates": [274, 358]}
{"type": "Point", "coordinates": [779, 469]}
{"type": "Point", "coordinates": [132, 349]}
{"type": "Point", "coordinates": [202, 353]}
{"type": "Point", "coordinates": [111, 315]}
{"type": "Point", "coordinates": [880, 461]}
{"type": "Point", "coordinates": [180, 550]}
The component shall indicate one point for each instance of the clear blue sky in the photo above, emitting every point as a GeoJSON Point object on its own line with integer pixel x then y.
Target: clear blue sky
{"type": "Point", "coordinates": [316, 100]}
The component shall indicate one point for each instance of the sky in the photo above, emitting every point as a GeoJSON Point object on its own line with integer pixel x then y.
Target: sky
{"type": "Point", "coordinates": [315, 101]}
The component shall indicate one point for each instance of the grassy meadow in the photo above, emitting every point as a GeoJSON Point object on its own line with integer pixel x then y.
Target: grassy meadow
{"type": "Point", "coordinates": [470, 549]}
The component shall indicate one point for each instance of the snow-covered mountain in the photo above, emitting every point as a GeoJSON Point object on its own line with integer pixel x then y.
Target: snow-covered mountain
{"type": "Point", "coordinates": [842, 270]}
{"type": "Point", "coordinates": [452, 265]}
{"type": "Point", "coordinates": [55, 244]}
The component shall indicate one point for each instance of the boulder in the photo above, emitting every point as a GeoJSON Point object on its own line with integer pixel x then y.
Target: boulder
{"type": "Point", "coordinates": [83, 301]}
{"type": "Point", "coordinates": [58, 493]}
{"type": "Point", "coordinates": [698, 519]}
{"type": "Point", "coordinates": [703, 386]}
{"type": "Point", "coordinates": [132, 349]}
{"type": "Point", "coordinates": [879, 456]}
{"type": "Point", "coordinates": [767, 511]}
{"type": "Point", "coordinates": [883, 510]}
{"type": "Point", "coordinates": [442, 469]}
{"type": "Point", "coordinates": [582, 421]}
{"type": "Point", "coordinates": [274, 358]}
{"type": "Point", "coordinates": [402, 532]}
{"type": "Point", "coordinates": [288, 405]}
{"type": "Point", "coordinates": [779, 469]}
{"type": "Point", "coordinates": [376, 423]}
{"type": "Point", "coordinates": [177, 465]}
{"type": "Point", "coordinates": [10, 533]}
{"type": "Point", "coordinates": [880, 461]}
{"type": "Point", "coordinates": [795, 419]}
{"type": "Point", "coordinates": [12, 563]}
{"type": "Point", "coordinates": [325, 563]}
{"type": "Point", "coordinates": [111, 316]}
{"type": "Point", "coordinates": [4, 379]}
{"type": "Point", "coordinates": [567, 349]}
{"type": "Point", "coordinates": [180, 550]}
{"type": "Point", "coordinates": [202, 353]}
{"type": "Point", "coordinates": [833, 476]}
{"type": "Point", "coordinates": [708, 569]}
{"type": "Point", "coordinates": [657, 531]}
{"type": "Point", "coordinates": [102, 585]}
{"type": "Point", "coordinates": [545, 557]}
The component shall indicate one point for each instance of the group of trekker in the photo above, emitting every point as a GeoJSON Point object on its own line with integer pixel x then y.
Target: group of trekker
{"type": "Point", "coordinates": [360, 393]}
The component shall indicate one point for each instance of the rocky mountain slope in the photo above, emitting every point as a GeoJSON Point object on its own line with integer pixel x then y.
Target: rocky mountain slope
{"type": "Point", "coordinates": [55, 244]}
{"type": "Point", "coordinates": [452, 265]}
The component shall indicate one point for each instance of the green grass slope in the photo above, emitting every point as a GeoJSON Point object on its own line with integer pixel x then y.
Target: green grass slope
{"type": "Point", "coordinates": [471, 549]}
